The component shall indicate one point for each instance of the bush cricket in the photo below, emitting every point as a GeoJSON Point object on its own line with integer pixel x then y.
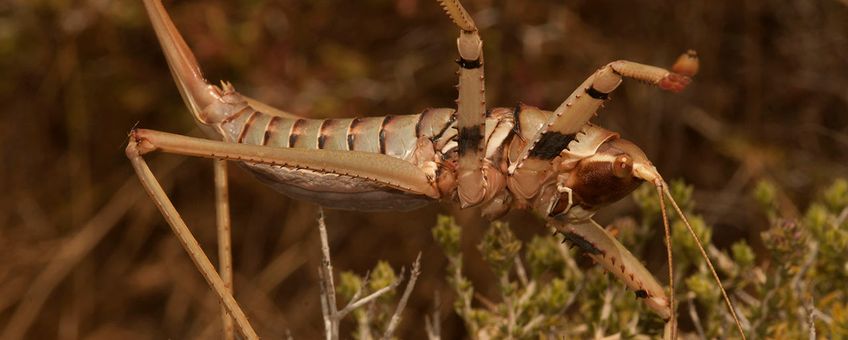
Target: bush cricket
{"type": "Point", "coordinates": [555, 163]}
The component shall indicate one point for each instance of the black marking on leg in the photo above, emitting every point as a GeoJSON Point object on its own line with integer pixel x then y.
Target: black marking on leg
{"type": "Point", "coordinates": [469, 139]}
{"type": "Point", "coordinates": [297, 130]}
{"type": "Point", "coordinates": [352, 132]}
{"type": "Point", "coordinates": [641, 294]}
{"type": "Point", "coordinates": [594, 93]}
{"type": "Point", "coordinates": [551, 144]}
{"type": "Point", "coordinates": [581, 242]}
{"type": "Point", "coordinates": [469, 64]}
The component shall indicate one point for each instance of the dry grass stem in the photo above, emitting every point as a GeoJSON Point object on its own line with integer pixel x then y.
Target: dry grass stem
{"type": "Point", "coordinates": [225, 255]}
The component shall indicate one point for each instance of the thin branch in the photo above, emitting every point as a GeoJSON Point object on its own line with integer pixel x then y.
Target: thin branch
{"type": "Point", "coordinates": [434, 327]}
{"type": "Point", "coordinates": [532, 324]}
{"type": "Point", "coordinates": [509, 301]}
{"type": "Point", "coordinates": [332, 315]}
{"type": "Point", "coordinates": [528, 294]}
{"type": "Point", "coordinates": [606, 309]}
{"type": "Point", "coordinates": [325, 308]}
{"type": "Point", "coordinates": [325, 262]}
{"type": "Point", "coordinates": [520, 271]}
{"type": "Point", "coordinates": [361, 302]}
{"type": "Point", "coordinates": [359, 290]}
{"type": "Point", "coordinates": [811, 316]}
{"type": "Point", "coordinates": [693, 314]}
{"type": "Point", "coordinates": [328, 288]}
{"type": "Point", "coordinates": [413, 276]}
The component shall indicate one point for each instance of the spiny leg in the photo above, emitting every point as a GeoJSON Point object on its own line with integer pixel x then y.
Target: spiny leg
{"type": "Point", "coordinates": [225, 256]}
{"type": "Point", "coordinates": [378, 168]}
{"type": "Point", "coordinates": [573, 114]}
{"type": "Point", "coordinates": [189, 243]}
{"type": "Point", "coordinates": [382, 169]}
{"type": "Point", "coordinates": [598, 244]}
{"type": "Point", "coordinates": [472, 186]}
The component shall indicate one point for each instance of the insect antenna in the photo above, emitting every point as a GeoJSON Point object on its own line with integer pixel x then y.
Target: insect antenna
{"type": "Point", "coordinates": [664, 188]}
{"type": "Point", "coordinates": [660, 188]}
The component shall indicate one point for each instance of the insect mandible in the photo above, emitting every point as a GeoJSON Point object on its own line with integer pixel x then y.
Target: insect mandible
{"type": "Point", "coordinates": [555, 163]}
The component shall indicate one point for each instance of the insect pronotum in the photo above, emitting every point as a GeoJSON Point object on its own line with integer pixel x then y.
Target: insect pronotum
{"type": "Point", "coordinates": [555, 163]}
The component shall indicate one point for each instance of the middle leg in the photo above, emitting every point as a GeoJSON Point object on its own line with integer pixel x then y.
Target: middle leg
{"type": "Point", "coordinates": [472, 176]}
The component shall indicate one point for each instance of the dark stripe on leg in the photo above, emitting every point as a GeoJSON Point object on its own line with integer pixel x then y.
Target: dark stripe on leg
{"type": "Point", "coordinates": [594, 93]}
{"type": "Point", "coordinates": [469, 139]}
{"type": "Point", "coordinates": [581, 242]}
{"type": "Point", "coordinates": [550, 145]}
{"type": "Point", "coordinates": [469, 64]}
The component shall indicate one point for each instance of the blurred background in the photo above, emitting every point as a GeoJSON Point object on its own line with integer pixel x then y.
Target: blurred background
{"type": "Point", "coordinates": [84, 253]}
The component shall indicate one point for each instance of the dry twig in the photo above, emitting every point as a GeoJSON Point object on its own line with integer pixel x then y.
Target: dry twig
{"type": "Point", "coordinates": [332, 315]}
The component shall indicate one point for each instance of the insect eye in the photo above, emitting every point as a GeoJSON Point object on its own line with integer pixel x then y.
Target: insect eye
{"type": "Point", "coordinates": [623, 166]}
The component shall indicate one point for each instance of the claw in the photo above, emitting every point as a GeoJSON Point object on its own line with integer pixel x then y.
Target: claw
{"type": "Point", "coordinates": [674, 82]}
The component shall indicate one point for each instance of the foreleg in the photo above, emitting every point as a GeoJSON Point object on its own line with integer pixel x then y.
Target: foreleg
{"type": "Point", "coordinates": [616, 259]}
{"type": "Point", "coordinates": [573, 114]}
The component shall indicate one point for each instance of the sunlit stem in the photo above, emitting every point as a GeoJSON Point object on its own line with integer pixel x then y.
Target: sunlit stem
{"type": "Point", "coordinates": [660, 188]}
{"type": "Point", "coordinates": [704, 255]}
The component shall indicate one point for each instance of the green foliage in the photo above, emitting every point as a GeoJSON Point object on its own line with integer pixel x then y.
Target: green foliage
{"type": "Point", "coordinates": [349, 284]}
{"type": "Point", "coordinates": [551, 299]}
{"type": "Point", "coordinates": [796, 281]}
{"type": "Point", "coordinates": [382, 276]}
{"type": "Point", "coordinates": [499, 248]}
{"type": "Point", "coordinates": [374, 317]}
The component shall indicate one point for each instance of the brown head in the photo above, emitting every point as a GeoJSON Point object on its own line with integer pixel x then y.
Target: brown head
{"type": "Point", "coordinates": [616, 169]}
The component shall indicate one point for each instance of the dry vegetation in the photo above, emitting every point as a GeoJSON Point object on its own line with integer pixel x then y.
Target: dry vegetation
{"type": "Point", "coordinates": [84, 254]}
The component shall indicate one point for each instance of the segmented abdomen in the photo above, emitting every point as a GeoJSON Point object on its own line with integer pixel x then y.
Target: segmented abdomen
{"type": "Point", "coordinates": [391, 135]}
